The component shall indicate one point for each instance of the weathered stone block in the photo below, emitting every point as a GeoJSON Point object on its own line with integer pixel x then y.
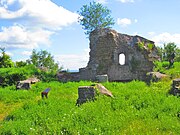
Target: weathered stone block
{"type": "Point", "coordinates": [175, 90]}
{"type": "Point", "coordinates": [88, 93]}
{"type": "Point", "coordinates": [85, 93]}
{"type": "Point", "coordinates": [156, 76]}
{"type": "Point", "coordinates": [102, 78]}
{"type": "Point", "coordinates": [103, 90]}
{"type": "Point", "coordinates": [23, 85]}
{"type": "Point", "coordinates": [26, 84]}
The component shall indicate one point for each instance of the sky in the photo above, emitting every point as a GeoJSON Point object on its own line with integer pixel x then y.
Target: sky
{"type": "Point", "coordinates": [52, 25]}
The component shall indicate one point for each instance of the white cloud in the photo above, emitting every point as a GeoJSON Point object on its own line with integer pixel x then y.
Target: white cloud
{"type": "Point", "coordinates": [124, 22]}
{"type": "Point", "coordinates": [151, 33]}
{"type": "Point", "coordinates": [102, 1]}
{"type": "Point", "coordinates": [27, 53]}
{"type": "Point", "coordinates": [73, 61]}
{"type": "Point", "coordinates": [40, 18]}
{"type": "Point", "coordinates": [43, 13]}
{"type": "Point", "coordinates": [7, 14]}
{"type": "Point", "coordinates": [9, 53]}
{"type": "Point", "coordinates": [6, 3]}
{"type": "Point", "coordinates": [18, 36]}
{"type": "Point", "coordinates": [136, 33]}
{"type": "Point", "coordinates": [166, 38]}
{"type": "Point", "coordinates": [126, 1]}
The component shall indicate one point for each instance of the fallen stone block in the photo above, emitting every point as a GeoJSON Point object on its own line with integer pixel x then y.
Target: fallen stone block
{"type": "Point", "coordinates": [26, 84]}
{"type": "Point", "coordinates": [103, 90]}
{"type": "Point", "coordinates": [156, 76]}
{"type": "Point", "coordinates": [23, 85]}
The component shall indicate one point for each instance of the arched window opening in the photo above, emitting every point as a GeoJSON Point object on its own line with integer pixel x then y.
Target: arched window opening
{"type": "Point", "coordinates": [121, 59]}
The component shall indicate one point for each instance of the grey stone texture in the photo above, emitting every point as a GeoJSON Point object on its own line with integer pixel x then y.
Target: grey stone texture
{"type": "Point", "coordinates": [175, 90]}
{"type": "Point", "coordinates": [105, 47]}
{"type": "Point", "coordinates": [23, 85]}
{"type": "Point", "coordinates": [85, 93]}
{"type": "Point", "coordinates": [103, 90]}
{"type": "Point", "coordinates": [89, 93]}
{"type": "Point", "coordinates": [102, 78]}
{"type": "Point", "coordinates": [156, 76]}
{"type": "Point", "coordinates": [26, 84]}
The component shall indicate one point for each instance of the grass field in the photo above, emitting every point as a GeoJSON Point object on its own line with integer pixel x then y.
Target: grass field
{"type": "Point", "coordinates": [135, 109]}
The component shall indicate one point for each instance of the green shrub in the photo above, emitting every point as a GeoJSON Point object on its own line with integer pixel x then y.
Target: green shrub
{"type": "Point", "coordinates": [162, 67]}
{"type": "Point", "coordinates": [140, 45]}
{"type": "Point", "coordinates": [150, 46]}
{"type": "Point", "coordinates": [10, 76]}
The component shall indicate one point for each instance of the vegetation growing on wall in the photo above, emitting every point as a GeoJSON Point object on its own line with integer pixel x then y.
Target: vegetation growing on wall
{"type": "Point", "coordinates": [150, 46]}
{"type": "Point", "coordinates": [140, 45]}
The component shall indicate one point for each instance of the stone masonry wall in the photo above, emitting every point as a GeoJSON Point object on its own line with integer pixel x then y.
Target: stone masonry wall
{"type": "Point", "coordinates": [105, 47]}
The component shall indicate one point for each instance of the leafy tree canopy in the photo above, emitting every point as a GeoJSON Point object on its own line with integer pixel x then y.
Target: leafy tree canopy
{"type": "Point", "coordinates": [20, 63]}
{"type": "Point", "coordinates": [169, 50]}
{"type": "Point", "coordinates": [94, 16]}
{"type": "Point", "coordinates": [5, 60]}
{"type": "Point", "coordinates": [177, 54]}
{"type": "Point", "coordinates": [43, 59]}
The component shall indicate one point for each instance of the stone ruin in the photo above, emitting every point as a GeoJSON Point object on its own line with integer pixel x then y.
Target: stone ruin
{"type": "Point", "coordinates": [175, 90]}
{"type": "Point", "coordinates": [89, 93]}
{"type": "Point", "coordinates": [106, 49]}
{"type": "Point", "coordinates": [26, 84]}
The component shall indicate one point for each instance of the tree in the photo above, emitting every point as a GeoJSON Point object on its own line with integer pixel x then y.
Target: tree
{"type": "Point", "coordinates": [169, 50]}
{"type": "Point", "coordinates": [94, 16]}
{"type": "Point", "coordinates": [160, 52]}
{"type": "Point", "coordinates": [5, 60]}
{"type": "Point", "coordinates": [177, 53]}
{"type": "Point", "coordinates": [43, 59]}
{"type": "Point", "coordinates": [21, 63]}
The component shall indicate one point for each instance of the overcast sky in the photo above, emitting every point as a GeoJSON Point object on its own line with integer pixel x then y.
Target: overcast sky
{"type": "Point", "coordinates": [52, 25]}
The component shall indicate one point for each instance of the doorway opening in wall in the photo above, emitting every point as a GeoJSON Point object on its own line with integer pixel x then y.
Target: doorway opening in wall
{"type": "Point", "coordinates": [121, 59]}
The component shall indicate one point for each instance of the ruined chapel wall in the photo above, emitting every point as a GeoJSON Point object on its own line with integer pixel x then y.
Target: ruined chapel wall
{"type": "Point", "coordinates": [105, 47]}
{"type": "Point", "coordinates": [101, 51]}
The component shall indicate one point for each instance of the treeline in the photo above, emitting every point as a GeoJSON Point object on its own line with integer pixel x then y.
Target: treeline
{"type": "Point", "coordinates": [169, 50]}
{"type": "Point", "coordinates": [41, 64]}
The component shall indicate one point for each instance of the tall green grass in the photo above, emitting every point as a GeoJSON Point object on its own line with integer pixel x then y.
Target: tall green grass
{"type": "Point", "coordinates": [173, 72]}
{"type": "Point", "coordinates": [135, 109]}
